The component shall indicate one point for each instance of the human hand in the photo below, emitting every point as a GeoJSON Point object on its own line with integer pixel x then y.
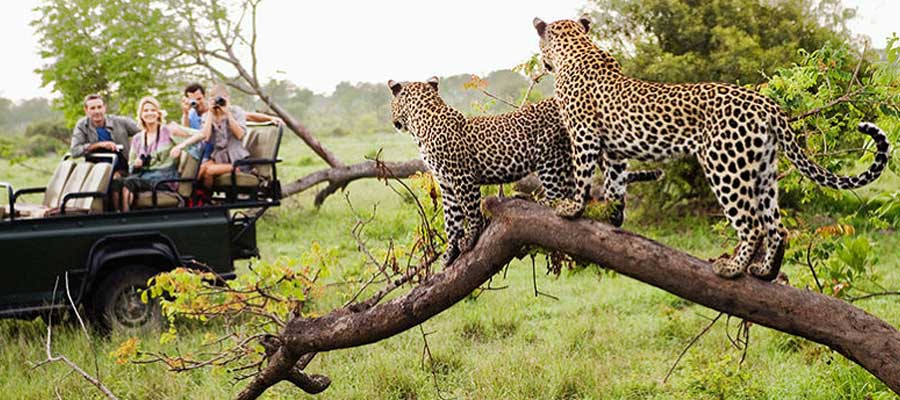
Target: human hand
{"type": "Point", "coordinates": [107, 145]}
{"type": "Point", "coordinates": [175, 152]}
{"type": "Point", "coordinates": [278, 121]}
{"type": "Point", "coordinates": [185, 105]}
{"type": "Point", "coordinates": [138, 164]}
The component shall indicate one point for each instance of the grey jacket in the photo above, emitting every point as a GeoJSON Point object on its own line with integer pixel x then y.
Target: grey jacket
{"type": "Point", "coordinates": [119, 127]}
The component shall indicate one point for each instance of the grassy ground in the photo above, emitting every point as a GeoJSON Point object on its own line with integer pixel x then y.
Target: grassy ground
{"type": "Point", "coordinates": [607, 337]}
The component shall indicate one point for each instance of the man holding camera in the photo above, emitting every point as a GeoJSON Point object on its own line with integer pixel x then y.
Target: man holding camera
{"type": "Point", "coordinates": [194, 106]}
{"type": "Point", "coordinates": [101, 133]}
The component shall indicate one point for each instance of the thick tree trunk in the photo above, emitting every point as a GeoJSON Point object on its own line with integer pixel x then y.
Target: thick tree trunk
{"type": "Point", "coordinates": [857, 335]}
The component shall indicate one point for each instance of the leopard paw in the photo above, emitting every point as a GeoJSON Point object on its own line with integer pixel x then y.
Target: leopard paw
{"type": "Point", "coordinates": [449, 256]}
{"type": "Point", "coordinates": [468, 242]}
{"type": "Point", "coordinates": [725, 268]}
{"type": "Point", "coordinates": [617, 215]}
{"type": "Point", "coordinates": [568, 208]}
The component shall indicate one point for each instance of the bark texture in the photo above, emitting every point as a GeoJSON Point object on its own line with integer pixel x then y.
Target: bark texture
{"type": "Point", "coordinates": [859, 336]}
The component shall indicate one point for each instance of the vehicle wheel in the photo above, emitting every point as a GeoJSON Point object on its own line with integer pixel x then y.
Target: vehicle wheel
{"type": "Point", "coordinates": [117, 301]}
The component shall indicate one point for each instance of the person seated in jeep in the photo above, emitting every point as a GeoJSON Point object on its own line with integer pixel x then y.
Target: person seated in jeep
{"type": "Point", "coordinates": [97, 132]}
{"type": "Point", "coordinates": [154, 150]}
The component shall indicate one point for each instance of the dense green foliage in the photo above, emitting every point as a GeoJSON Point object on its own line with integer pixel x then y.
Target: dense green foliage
{"type": "Point", "coordinates": [109, 47]}
{"type": "Point", "coordinates": [739, 41]}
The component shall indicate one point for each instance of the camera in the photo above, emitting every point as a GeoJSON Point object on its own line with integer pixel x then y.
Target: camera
{"type": "Point", "coordinates": [221, 101]}
{"type": "Point", "coordinates": [193, 103]}
{"type": "Point", "coordinates": [145, 160]}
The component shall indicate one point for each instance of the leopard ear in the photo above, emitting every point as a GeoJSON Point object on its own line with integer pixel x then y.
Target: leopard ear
{"type": "Point", "coordinates": [585, 22]}
{"type": "Point", "coordinates": [395, 87]}
{"type": "Point", "coordinates": [433, 81]}
{"type": "Point", "coordinates": [541, 26]}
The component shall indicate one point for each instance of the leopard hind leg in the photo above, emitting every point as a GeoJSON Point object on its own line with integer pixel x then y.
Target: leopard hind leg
{"type": "Point", "coordinates": [615, 183]}
{"type": "Point", "coordinates": [767, 200]}
{"type": "Point", "coordinates": [734, 188]}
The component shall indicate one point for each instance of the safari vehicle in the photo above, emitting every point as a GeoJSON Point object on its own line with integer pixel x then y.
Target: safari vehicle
{"type": "Point", "coordinates": [74, 241]}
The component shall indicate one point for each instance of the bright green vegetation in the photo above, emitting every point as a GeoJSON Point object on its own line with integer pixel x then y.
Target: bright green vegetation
{"type": "Point", "coordinates": [608, 337]}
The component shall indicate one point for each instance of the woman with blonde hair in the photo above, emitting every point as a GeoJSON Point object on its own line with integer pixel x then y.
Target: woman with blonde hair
{"type": "Point", "coordinates": [154, 150]}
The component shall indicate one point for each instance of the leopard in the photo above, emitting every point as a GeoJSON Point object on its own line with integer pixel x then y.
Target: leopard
{"type": "Point", "coordinates": [734, 132]}
{"type": "Point", "coordinates": [465, 153]}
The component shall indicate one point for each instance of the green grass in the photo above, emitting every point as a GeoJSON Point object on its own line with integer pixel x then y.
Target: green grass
{"type": "Point", "coordinates": [608, 337]}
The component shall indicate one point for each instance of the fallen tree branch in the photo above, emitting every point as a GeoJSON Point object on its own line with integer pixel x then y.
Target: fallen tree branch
{"type": "Point", "coordinates": [340, 177]}
{"type": "Point", "coordinates": [515, 223]}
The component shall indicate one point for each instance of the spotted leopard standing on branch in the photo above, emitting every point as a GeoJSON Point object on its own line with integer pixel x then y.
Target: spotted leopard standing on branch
{"type": "Point", "coordinates": [734, 133]}
{"type": "Point", "coordinates": [465, 153]}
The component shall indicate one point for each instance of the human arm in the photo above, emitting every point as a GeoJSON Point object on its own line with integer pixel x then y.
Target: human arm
{"type": "Point", "coordinates": [237, 121]}
{"type": "Point", "coordinates": [131, 126]}
{"type": "Point", "coordinates": [260, 117]}
{"type": "Point", "coordinates": [194, 137]}
{"type": "Point", "coordinates": [80, 144]}
{"type": "Point", "coordinates": [185, 111]}
{"type": "Point", "coordinates": [133, 160]}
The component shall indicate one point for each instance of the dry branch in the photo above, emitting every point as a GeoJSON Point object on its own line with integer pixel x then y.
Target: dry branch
{"type": "Point", "coordinates": [848, 330]}
{"type": "Point", "coordinates": [339, 177]}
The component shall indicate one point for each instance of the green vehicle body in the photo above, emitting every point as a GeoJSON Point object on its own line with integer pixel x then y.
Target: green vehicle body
{"type": "Point", "coordinates": [85, 248]}
{"type": "Point", "coordinates": [103, 260]}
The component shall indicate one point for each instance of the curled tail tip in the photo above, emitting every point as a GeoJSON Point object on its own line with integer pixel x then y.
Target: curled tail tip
{"type": "Point", "coordinates": [870, 129]}
{"type": "Point", "coordinates": [877, 135]}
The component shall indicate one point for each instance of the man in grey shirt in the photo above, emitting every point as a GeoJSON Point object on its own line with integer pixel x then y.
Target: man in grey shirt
{"type": "Point", "coordinates": [101, 133]}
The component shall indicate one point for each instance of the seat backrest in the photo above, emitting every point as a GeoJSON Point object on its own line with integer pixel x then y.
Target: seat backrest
{"type": "Point", "coordinates": [96, 181]}
{"type": "Point", "coordinates": [75, 181]}
{"type": "Point", "coordinates": [55, 187]}
{"type": "Point", "coordinates": [187, 168]}
{"type": "Point", "coordinates": [263, 142]}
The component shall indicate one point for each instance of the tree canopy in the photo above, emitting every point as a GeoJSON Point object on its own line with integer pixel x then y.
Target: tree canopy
{"type": "Point", "coordinates": [738, 41]}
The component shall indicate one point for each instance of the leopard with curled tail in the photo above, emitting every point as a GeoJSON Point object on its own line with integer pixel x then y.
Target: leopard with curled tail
{"type": "Point", "coordinates": [734, 132]}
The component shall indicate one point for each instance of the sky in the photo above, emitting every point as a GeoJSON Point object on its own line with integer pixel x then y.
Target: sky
{"type": "Point", "coordinates": [318, 44]}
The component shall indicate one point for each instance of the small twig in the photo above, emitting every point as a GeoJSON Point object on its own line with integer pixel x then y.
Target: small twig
{"type": "Point", "coordinates": [847, 97]}
{"type": "Point", "coordinates": [812, 268]}
{"type": "Point", "coordinates": [534, 81]}
{"type": "Point", "coordinates": [73, 366]}
{"type": "Point", "coordinates": [871, 295]}
{"type": "Point", "coordinates": [491, 95]}
{"type": "Point", "coordinates": [691, 344]}
{"type": "Point", "coordinates": [534, 282]}
{"type": "Point", "coordinates": [426, 352]}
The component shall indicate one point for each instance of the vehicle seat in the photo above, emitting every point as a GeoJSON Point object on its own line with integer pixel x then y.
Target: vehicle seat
{"type": "Point", "coordinates": [96, 181]}
{"type": "Point", "coordinates": [262, 142]}
{"type": "Point", "coordinates": [52, 194]}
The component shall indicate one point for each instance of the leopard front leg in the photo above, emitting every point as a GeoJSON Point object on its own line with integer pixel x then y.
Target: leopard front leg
{"type": "Point", "coordinates": [453, 222]}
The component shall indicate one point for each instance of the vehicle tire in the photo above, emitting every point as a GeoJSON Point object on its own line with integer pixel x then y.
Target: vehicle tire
{"type": "Point", "coordinates": [116, 301]}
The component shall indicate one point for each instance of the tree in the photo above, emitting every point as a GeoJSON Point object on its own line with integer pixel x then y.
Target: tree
{"type": "Point", "coordinates": [738, 41]}
{"type": "Point", "coordinates": [517, 224]}
{"type": "Point", "coordinates": [114, 48]}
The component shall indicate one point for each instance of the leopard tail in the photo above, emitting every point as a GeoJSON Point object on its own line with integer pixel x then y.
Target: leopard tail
{"type": "Point", "coordinates": [824, 177]}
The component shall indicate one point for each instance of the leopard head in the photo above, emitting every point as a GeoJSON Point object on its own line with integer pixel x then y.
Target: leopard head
{"type": "Point", "coordinates": [551, 34]}
{"type": "Point", "coordinates": [408, 97]}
